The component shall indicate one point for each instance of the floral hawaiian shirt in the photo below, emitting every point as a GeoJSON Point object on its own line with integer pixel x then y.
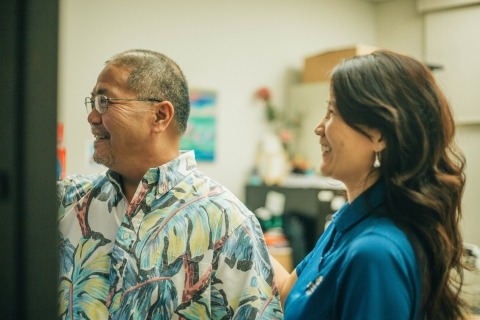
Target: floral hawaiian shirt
{"type": "Point", "coordinates": [184, 248]}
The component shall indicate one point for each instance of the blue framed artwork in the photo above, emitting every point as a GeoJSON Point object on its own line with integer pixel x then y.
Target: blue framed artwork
{"type": "Point", "coordinates": [200, 135]}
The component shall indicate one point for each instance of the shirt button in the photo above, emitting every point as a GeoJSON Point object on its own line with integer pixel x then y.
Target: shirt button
{"type": "Point", "coordinates": [125, 236]}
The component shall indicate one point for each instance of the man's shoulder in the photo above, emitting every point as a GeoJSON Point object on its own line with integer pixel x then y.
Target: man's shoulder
{"type": "Point", "coordinates": [78, 184]}
{"type": "Point", "coordinates": [82, 179]}
{"type": "Point", "coordinates": [213, 198]}
{"type": "Point", "coordinates": [225, 200]}
{"type": "Point", "coordinates": [208, 189]}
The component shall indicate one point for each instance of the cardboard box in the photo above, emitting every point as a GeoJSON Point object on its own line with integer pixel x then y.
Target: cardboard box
{"type": "Point", "coordinates": [319, 67]}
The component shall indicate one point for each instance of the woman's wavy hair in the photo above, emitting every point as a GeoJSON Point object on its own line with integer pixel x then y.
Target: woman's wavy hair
{"type": "Point", "coordinates": [422, 169]}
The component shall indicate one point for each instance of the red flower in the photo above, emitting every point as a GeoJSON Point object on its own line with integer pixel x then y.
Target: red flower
{"type": "Point", "coordinates": [285, 135]}
{"type": "Point", "coordinates": [263, 94]}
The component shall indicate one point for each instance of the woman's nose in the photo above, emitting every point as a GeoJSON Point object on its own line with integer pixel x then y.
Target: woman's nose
{"type": "Point", "coordinates": [320, 129]}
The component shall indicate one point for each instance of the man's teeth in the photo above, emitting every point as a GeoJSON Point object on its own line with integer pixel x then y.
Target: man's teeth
{"type": "Point", "coordinates": [98, 137]}
{"type": "Point", "coordinates": [326, 148]}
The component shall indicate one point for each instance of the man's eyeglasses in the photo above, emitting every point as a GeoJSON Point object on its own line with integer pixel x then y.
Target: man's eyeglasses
{"type": "Point", "coordinates": [100, 103]}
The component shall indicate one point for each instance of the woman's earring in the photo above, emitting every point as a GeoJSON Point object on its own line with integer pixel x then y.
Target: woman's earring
{"type": "Point", "coordinates": [377, 163]}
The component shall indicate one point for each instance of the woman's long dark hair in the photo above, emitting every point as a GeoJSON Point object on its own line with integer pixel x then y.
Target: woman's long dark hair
{"type": "Point", "coordinates": [421, 167]}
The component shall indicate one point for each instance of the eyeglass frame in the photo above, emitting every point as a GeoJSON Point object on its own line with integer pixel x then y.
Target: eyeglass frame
{"type": "Point", "coordinates": [94, 103]}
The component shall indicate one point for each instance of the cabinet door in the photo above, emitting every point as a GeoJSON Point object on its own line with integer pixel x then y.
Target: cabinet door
{"type": "Point", "coordinates": [450, 40]}
{"type": "Point", "coordinates": [309, 101]}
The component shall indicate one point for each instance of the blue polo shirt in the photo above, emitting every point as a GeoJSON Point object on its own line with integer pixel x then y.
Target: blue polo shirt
{"type": "Point", "coordinates": [362, 267]}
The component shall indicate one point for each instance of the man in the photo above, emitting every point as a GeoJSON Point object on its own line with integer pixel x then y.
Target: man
{"type": "Point", "coordinates": [153, 237]}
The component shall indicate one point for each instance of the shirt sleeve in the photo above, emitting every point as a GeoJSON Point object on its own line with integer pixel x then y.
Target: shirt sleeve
{"type": "Point", "coordinates": [378, 281]}
{"type": "Point", "coordinates": [243, 280]}
{"type": "Point", "coordinates": [60, 190]}
{"type": "Point", "coordinates": [326, 237]}
{"type": "Point", "coordinates": [299, 268]}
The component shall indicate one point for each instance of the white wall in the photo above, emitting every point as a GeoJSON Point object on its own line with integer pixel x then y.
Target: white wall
{"type": "Point", "coordinates": [445, 37]}
{"type": "Point", "coordinates": [233, 47]}
{"type": "Point", "coordinates": [468, 137]}
{"type": "Point", "coordinates": [399, 27]}
{"type": "Point", "coordinates": [450, 40]}
{"type": "Point", "coordinates": [427, 5]}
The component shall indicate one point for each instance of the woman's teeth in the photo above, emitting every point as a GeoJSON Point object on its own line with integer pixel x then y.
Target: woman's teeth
{"type": "Point", "coordinates": [326, 148]}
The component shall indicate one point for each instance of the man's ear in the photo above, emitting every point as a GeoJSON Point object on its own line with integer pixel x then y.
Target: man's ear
{"type": "Point", "coordinates": [164, 113]}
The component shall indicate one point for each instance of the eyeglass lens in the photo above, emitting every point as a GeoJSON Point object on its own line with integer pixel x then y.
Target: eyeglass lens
{"type": "Point", "coordinates": [100, 103]}
{"type": "Point", "coordinates": [88, 104]}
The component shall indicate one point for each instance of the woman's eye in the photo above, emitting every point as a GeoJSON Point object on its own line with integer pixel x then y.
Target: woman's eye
{"type": "Point", "coordinates": [330, 103]}
{"type": "Point", "coordinates": [329, 113]}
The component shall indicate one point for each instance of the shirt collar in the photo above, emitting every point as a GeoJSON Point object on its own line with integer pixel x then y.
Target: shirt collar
{"type": "Point", "coordinates": [165, 176]}
{"type": "Point", "coordinates": [352, 213]}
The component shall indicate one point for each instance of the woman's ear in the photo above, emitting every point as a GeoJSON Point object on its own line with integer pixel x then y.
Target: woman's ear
{"type": "Point", "coordinates": [377, 139]}
{"type": "Point", "coordinates": [164, 113]}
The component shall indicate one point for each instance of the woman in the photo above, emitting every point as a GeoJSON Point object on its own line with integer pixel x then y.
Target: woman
{"type": "Point", "coordinates": [393, 251]}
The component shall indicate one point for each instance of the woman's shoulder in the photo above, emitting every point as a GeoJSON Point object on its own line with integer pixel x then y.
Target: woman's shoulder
{"type": "Point", "coordinates": [381, 238]}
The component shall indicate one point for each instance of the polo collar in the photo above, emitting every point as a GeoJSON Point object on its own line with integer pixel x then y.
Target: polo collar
{"type": "Point", "coordinates": [351, 214]}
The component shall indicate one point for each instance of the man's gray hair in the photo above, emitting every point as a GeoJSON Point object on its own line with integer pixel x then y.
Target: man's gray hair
{"type": "Point", "coordinates": [154, 75]}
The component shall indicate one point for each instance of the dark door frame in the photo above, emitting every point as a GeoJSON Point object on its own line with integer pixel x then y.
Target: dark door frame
{"type": "Point", "coordinates": [28, 116]}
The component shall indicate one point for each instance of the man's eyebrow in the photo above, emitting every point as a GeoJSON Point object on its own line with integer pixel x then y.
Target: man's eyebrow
{"type": "Point", "coordinates": [99, 91]}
